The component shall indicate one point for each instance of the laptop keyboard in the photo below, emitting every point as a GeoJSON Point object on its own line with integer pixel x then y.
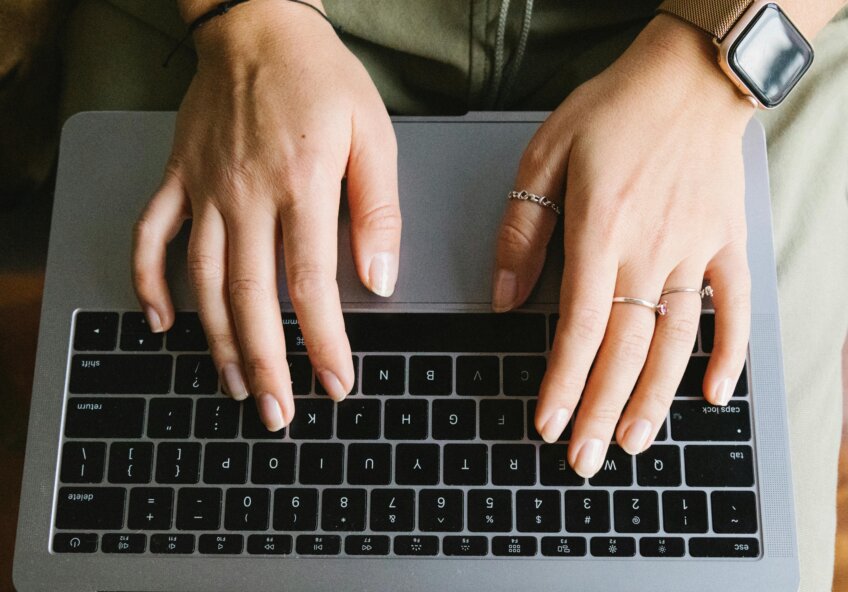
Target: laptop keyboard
{"type": "Point", "coordinates": [433, 454]}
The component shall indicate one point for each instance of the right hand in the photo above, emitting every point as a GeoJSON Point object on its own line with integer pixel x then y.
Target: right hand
{"type": "Point", "coordinates": [276, 115]}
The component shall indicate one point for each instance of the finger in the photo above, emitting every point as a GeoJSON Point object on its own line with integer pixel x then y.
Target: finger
{"type": "Point", "coordinates": [668, 355]}
{"type": "Point", "coordinates": [158, 224]}
{"type": "Point", "coordinates": [207, 259]}
{"type": "Point", "coordinates": [372, 191]}
{"type": "Point", "coordinates": [252, 272]}
{"type": "Point", "coordinates": [731, 282]}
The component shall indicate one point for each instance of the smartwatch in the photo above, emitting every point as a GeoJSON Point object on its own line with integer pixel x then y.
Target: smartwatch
{"type": "Point", "coordinates": [759, 48]}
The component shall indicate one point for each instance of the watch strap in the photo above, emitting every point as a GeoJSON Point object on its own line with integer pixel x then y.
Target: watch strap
{"type": "Point", "coordinates": [716, 17]}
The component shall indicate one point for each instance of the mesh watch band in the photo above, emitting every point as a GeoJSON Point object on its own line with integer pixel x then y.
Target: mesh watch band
{"type": "Point", "coordinates": [716, 17]}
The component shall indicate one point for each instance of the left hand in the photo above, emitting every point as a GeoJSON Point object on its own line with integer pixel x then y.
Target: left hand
{"type": "Point", "coordinates": [648, 156]}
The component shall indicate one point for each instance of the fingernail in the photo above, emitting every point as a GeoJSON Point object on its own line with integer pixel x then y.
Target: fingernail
{"type": "Point", "coordinates": [505, 290]}
{"type": "Point", "coordinates": [272, 414]}
{"type": "Point", "coordinates": [234, 382]}
{"type": "Point", "coordinates": [589, 458]}
{"type": "Point", "coordinates": [636, 436]}
{"type": "Point", "coordinates": [382, 274]}
{"type": "Point", "coordinates": [723, 392]}
{"type": "Point", "coordinates": [332, 385]}
{"type": "Point", "coordinates": [553, 428]}
{"type": "Point", "coordinates": [153, 320]}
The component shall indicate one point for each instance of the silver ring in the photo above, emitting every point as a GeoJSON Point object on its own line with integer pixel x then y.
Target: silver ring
{"type": "Point", "coordinates": [704, 292]}
{"type": "Point", "coordinates": [661, 307]}
{"type": "Point", "coordinates": [537, 199]}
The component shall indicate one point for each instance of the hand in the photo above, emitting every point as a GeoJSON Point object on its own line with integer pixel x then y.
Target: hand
{"type": "Point", "coordinates": [278, 111]}
{"type": "Point", "coordinates": [648, 156]}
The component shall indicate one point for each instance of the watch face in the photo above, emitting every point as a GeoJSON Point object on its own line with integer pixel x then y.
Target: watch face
{"type": "Point", "coordinates": [771, 56]}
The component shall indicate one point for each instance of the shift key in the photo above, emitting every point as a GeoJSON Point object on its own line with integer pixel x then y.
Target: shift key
{"type": "Point", "coordinates": [121, 374]}
{"type": "Point", "coordinates": [104, 417]}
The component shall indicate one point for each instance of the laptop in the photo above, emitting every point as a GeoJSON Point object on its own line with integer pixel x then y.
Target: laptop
{"type": "Point", "coordinates": [140, 475]}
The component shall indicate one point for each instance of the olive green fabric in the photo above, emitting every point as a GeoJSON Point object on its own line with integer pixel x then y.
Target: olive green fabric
{"type": "Point", "coordinates": [436, 56]}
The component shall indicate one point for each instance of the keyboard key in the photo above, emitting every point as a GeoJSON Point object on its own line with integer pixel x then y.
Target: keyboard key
{"type": "Point", "coordinates": [417, 464]}
{"type": "Point", "coordinates": [225, 463]}
{"type": "Point", "coordinates": [273, 464]}
{"type": "Point", "coordinates": [172, 544]}
{"type": "Point", "coordinates": [199, 508]}
{"type": "Point", "coordinates": [416, 545]}
{"type": "Point", "coordinates": [533, 434]}
{"type": "Point", "coordinates": [707, 332]}
{"type": "Point", "coordinates": [430, 375]}
{"type": "Point", "coordinates": [220, 544]}
{"type": "Point", "coordinates": [293, 335]}
{"type": "Point", "coordinates": [392, 510]}
{"type": "Point", "coordinates": [563, 546]}
{"type": "Point", "coordinates": [684, 511]}
{"type": "Point", "coordinates": [658, 466]}
{"type": "Point", "coordinates": [120, 374]}
{"type": "Point", "coordinates": [300, 371]}
{"type": "Point", "coordinates": [123, 543]}
{"type": "Point", "coordinates": [269, 544]}
{"type": "Point", "coordinates": [151, 508]}
{"type": "Point", "coordinates": [719, 466]}
{"type": "Point", "coordinates": [406, 419]}
{"type": "Point", "coordinates": [501, 420]}
{"type": "Point", "coordinates": [358, 419]}
{"type": "Point", "coordinates": [82, 462]}
{"type": "Point", "coordinates": [104, 418]}
{"type": "Point", "coordinates": [617, 469]}
{"type": "Point", "coordinates": [318, 544]}
{"type": "Point", "coordinates": [698, 420]}
{"type": "Point", "coordinates": [177, 462]}
{"type": "Point", "coordinates": [514, 546]}
{"type": "Point", "coordinates": [613, 546]}
{"type": "Point", "coordinates": [186, 334]}
{"type": "Point", "coordinates": [465, 464]}
{"type": "Point", "coordinates": [216, 418]}
{"type": "Point", "coordinates": [130, 462]}
{"type": "Point", "coordinates": [454, 420]}
{"type": "Point", "coordinates": [366, 544]}
{"type": "Point", "coordinates": [369, 464]}
{"type": "Point", "coordinates": [440, 510]}
{"type": "Point", "coordinates": [734, 512]}
{"type": "Point", "coordinates": [538, 510]}
{"type": "Point", "coordinates": [587, 511]}
{"type": "Point", "coordinates": [74, 542]}
{"type": "Point", "coordinates": [662, 547]}
{"type": "Point", "coordinates": [522, 375]}
{"type": "Point", "coordinates": [693, 379]}
{"type": "Point", "coordinates": [95, 331]}
{"type": "Point", "coordinates": [343, 509]}
{"type": "Point", "coordinates": [513, 464]}
{"type": "Point", "coordinates": [636, 511]}
{"type": "Point", "coordinates": [136, 334]}
{"type": "Point", "coordinates": [478, 376]}
{"type": "Point", "coordinates": [321, 464]}
{"type": "Point", "coordinates": [90, 508]}
{"type": "Point", "coordinates": [724, 547]}
{"type": "Point", "coordinates": [195, 375]}
{"type": "Point", "coordinates": [552, 325]}
{"type": "Point", "coordinates": [489, 510]}
{"type": "Point", "coordinates": [319, 388]}
{"type": "Point", "coordinates": [554, 468]}
{"type": "Point", "coordinates": [247, 508]}
{"type": "Point", "coordinates": [295, 509]}
{"type": "Point", "coordinates": [313, 419]}
{"type": "Point", "coordinates": [252, 427]}
{"type": "Point", "coordinates": [383, 375]}
{"type": "Point", "coordinates": [169, 418]}
{"type": "Point", "coordinates": [465, 546]}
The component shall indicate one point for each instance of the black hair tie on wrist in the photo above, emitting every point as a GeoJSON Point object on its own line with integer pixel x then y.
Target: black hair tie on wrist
{"type": "Point", "coordinates": [224, 8]}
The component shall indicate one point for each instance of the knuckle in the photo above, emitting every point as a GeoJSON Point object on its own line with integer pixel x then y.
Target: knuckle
{"type": "Point", "coordinates": [681, 330]}
{"type": "Point", "coordinates": [247, 291]}
{"type": "Point", "coordinates": [259, 366]}
{"type": "Point", "coordinates": [586, 323]}
{"type": "Point", "coordinates": [563, 387]}
{"type": "Point", "coordinates": [384, 219]}
{"type": "Point", "coordinates": [204, 270]}
{"type": "Point", "coordinates": [516, 234]}
{"type": "Point", "coordinates": [306, 282]}
{"type": "Point", "coordinates": [630, 347]}
{"type": "Point", "coordinates": [537, 159]}
{"type": "Point", "coordinates": [601, 415]}
{"type": "Point", "coordinates": [221, 344]}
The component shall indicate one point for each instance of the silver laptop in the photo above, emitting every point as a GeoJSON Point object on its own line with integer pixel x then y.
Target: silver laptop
{"type": "Point", "coordinates": [140, 475]}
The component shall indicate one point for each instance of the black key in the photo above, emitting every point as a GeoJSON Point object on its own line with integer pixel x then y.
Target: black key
{"type": "Point", "coordinates": [406, 419]}
{"type": "Point", "coordinates": [199, 508]}
{"type": "Point", "coordinates": [269, 544]}
{"type": "Point", "coordinates": [636, 511]}
{"type": "Point", "coordinates": [294, 337]}
{"type": "Point", "coordinates": [216, 418]}
{"type": "Point", "coordinates": [273, 464]}
{"type": "Point", "coordinates": [151, 508]}
{"type": "Point", "coordinates": [168, 417]}
{"type": "Point", "coordinates": [658, 466]}
{"type": "Point", "coordinates": [74, 542]}
{"type": "Point", "coordinates": [136, 334]}
{"type": "Point", "coordinates": [693, 379]}
{"type": "Point", "coordinates": [123, 543]}
{"type": "Point", "coordinates": [533, 434]}
{"type": "Point", "coordinates": [172, 543]}
{"type": "Point", "coordinates": [416, 545]}
{"type": "Point", "coordinates": [252, 426]}
{"type": "Point", "coordinates": [563, 546]}
{"type": "Point", "coordinates": [225, 463]}
{"type": "Point", "coordinates": [369, 464]}
{"type": "Point", "coordinates": [478, 376]}
{"type": "Point", "coordinates": [501, 420]}
{"type": "Point", "coordinates": [707, 332]}
{"type": "Point", "coordinates": [195, 375]}
{"type": "Point", "coordinates": [90, 508]}
{"type": "Point", "coordinates": [538, 510]}
{"type": "Point", "coordinates": [120, 374]}
{"type": "Point", "coordinates": [95, 331]}
{"type": "Point", "coordinates": [587, 511]}
{"type": "Point", "coordinates": [734, 512]}
{"type": "Point", "coordinates": [512, 546]}
{"type": "Point", "coordinates": [662, 547]}
{"type": "Point", "coordinates": [684, 511]}
{"type": "Point", "coordinates": [612, 546]}
{"type": "Point", "coordinates": [724, 547]}
{"type": "Point", "coordinates": [82, 462]}
{"type": "Point", "coordinates": [662, 434]}
{"type": "Point", "coordinates": [617, 469]}
{"type": "Point", "coordinates": [186, 334]}
{"type": "Point", "coordinates": [383, 375]}
{"type": "Point", "coordinates": [177, 462]}
{"type": "Point", "coordinates": [104, 418]}
{"type": "Point", "coordinates": [343, 509]}
{"type": "Point", "coordinates": [318, 544]}
{"type": "Point", "coordinates": [465, 464]}
{"type": "Point", "coordinates": [454, 420]}
{"type": "Point", "coordinates": [465, 546]}
{"type": "Point", "coordinates": [392, 510]}
{"type": "Point", "coordinates": [247, 508]}
{"type": "Point", "coordinates": [513, 464]}
{"type": "Point", "coordinates": [319, 388]}
{"type": "Point", "coordinates": [430, 375]}
{"type": "Point", "coordinates": [220, 544]}
{"type": "Point", "coordinates": [295, 509]}
{"type": "Point", "coordinates": [489, 510]}
{"type": "Point", "coordinates": [130, 462]}
{"type": "Point", "coordinates": [417, 464]}
{"type": "Point", "coordinates": [313, 420]}
{"type": "Point", "coordinates": [321, 464]}
{"type": "Point", "coordinates": [698, 420]}
{"type": "Point", "coordinates": [358, 419]}
{"type": "Point", "coordinates": [440, 510]}
{"type": "Point", "coordinates": [719, 466]}
{"type": "Point", "coordinates": [300, 371]}
{"type": "Point", "coordinates": [367, 544]}
{"type": "Point", "coordinates": [522, 375]}
{"type": "Point", "coordinates": [552, 325]}
{"type": "Point", "coordinates": [554, 468]}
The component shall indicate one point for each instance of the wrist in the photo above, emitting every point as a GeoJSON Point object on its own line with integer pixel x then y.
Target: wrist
{"type": "Point", "coordinates": [191, 10]}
